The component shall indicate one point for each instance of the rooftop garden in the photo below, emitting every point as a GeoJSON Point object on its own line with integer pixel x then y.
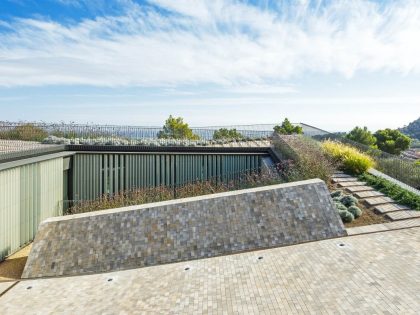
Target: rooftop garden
{"type": "Point", "coordinates": [244, 180]}
{"type": "Point", "coordinates": [301, 157]}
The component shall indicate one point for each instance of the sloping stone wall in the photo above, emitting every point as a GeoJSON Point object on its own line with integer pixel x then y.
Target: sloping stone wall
{"type": "Point", "coordinates": [184, 229]}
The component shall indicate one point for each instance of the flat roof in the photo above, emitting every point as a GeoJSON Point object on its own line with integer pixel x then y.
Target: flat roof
{"type": "Point", "coordinates": [39, 158]}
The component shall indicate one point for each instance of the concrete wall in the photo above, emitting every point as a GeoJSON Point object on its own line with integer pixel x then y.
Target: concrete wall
{"type": "Point", "coordinates": [184, 229]}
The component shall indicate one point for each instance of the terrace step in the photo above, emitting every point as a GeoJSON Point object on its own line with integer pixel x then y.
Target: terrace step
{"type": "Point", "coordinates": [341, 175]}
{"type": "Point", "coordinates": [366, 229]}
{"type": "Point", "coordinates": [403, 224]}
{"type": "Point", "coordinates": [351, 184]}
{"type": "Point", "coordinates": [396, 225]}
{"type": "Point", "coordinates": [375, 201]}
{"type": "Point", "coordinates": [403, 215]}
{"type": "Point", "coordinates": [368, 194]}
{"type": "Point", "coordinates": [354, 189]}
{"type": "Point", "coordinates": [342, 180]}
{"type": "Point", "coordinates": [391, 207]}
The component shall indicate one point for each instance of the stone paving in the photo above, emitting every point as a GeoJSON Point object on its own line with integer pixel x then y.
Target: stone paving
{"type": "Point", "coordinates": [389, 208]}
{"type": "Point", "coordinates": [365, 229]}
{"type": "Point", "coordinates": [343, 179]}
{"type": "Point", "coordinates": [403, 224]}
{"type": "Point", "coordinates": [402, 215]}
{"type": "Point", "coordinates": [353, 189]}
{"type": "Point", "coordinates": [350, 184]}
{"type": "Point", "coordinates": [4, 286]}
{"type": "Point", "coordinates": [389, 226]}
{"type": "Point", "coordinates": [367, 194]}
{"type": "Point", "coordinates": [378, 201]}
{"type": "Point", "coordinates": [371, 274]}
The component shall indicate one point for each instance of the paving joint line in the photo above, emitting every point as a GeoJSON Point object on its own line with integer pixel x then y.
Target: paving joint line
{"type": "Point", "coordinates": [9, 288]}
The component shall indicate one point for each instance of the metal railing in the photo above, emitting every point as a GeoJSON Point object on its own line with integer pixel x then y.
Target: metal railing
{"type": "Point", "coordinates": [19, 137]}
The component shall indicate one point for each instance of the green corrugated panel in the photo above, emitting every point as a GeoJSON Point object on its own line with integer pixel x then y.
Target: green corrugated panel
{"type": "Point", "coordinates": [28, 194]}
{"type": "Point", "coordinates": [105, 174]}
{"type": "Point", "coordinates": [9, 211]}
{"type": "Point", "coordinates": [97, 174]}
{"type": "Point", "coordinates": [51, 177]}
{"type": "Point", "coordinates": [111, 173]}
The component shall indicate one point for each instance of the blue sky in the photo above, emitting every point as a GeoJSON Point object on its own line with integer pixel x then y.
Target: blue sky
{"type": "Point", "coordinates": [332, 64]}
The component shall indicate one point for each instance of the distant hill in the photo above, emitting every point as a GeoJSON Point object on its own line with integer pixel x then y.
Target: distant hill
{"type": "Point", "coordinates": [412, 130]}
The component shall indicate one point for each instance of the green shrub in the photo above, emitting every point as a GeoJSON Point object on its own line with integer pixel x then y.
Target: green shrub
{"type": "Point", "coordinates": [400, 195]}
{"type": "Point", "coordinates": [175, 128]}
{"type": "Point", "coordinates": [355, 211]}
{"type": "Point", "coordinates": [224, 133]}
{"type": "Point", "coordinates": [336, 193]}
{"type": "Point", "coordinates": [336, 199]}
{"type": "Point", "coordinates": [362, 135]}
{"type": "Point", "coordinates": [340, 206]}
{"type": "Point", "coordinates": [348, 200]}
{"type": "Point", "coordinates": [346, 216]}
{"type": "Point", "coordinates": [350, 159]}
{"type": "Point", "coordinates": [392, 141]}
{"type": "Point", "coordinates": [286, 128]}
{"type": "Point", "coordinates": [25, 132]}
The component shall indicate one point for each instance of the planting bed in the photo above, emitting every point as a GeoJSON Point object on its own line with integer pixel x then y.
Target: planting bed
{"type": "Point", "coordinates": [368, 217]}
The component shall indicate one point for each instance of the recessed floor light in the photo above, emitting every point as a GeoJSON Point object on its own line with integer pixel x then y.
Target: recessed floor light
{"type": "Point", "coordinates": [110, 279]}
{"type": "Point", "coordinates": [261, 257]}
{"type": "Point", "coordinates": [186, 269]}
{"type": "Point", "coordinates": [28, 288]}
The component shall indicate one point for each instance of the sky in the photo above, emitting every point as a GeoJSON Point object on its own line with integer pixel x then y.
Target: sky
{"type": "Point", "coordinates": [332, 64]}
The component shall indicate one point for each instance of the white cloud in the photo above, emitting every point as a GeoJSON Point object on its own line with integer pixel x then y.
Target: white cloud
{"type": "Point", "coordinates": [226, 43]}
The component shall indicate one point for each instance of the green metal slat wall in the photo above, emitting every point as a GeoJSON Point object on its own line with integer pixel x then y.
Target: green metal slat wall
{"type": "Point", "coordinates": [29, 194]}
{"type": "Point", "coordinates": [95, 174]}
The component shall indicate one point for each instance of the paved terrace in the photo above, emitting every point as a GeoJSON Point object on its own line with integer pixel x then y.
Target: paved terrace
{"type": "Point", "coordinates": [371, 274]}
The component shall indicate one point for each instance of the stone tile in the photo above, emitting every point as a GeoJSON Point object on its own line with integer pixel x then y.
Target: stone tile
{"type": "Point", "coordinates": [341, 175]}
{"type": "Point", "coordinates": [344, 180]}
{"type": "Point", "coordinates": [390, 207]}
{"type": "Point", "coordinates": [349, 184]}
{"type": "Point", "coordinates": [403, 215]}
{"type": "Point", "coordinates": [366, 229]}
{"type": "Point", "coordinates": [184, 229]}
{"type": "Point", "coordinates": [353, 189]}
{"type": "Point", "coordinates": [371, 274]}
{"type": "Point", "coordinates": [368, 194]}
{"type": "Point", "coordinates": [403, 224]}
{"type": "Point", "coordinates": [378, 201]}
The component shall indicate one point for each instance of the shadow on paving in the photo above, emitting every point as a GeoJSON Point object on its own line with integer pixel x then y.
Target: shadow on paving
{"type": "Point", "coordinates": [12, 267]}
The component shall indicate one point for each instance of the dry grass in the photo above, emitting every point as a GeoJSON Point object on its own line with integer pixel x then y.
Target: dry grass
{"type": "Point", "coordinates": [162, 193]}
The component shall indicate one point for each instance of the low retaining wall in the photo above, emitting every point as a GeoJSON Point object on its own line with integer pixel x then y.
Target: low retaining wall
{"type": "Point", "coordinates": [184, 229]}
